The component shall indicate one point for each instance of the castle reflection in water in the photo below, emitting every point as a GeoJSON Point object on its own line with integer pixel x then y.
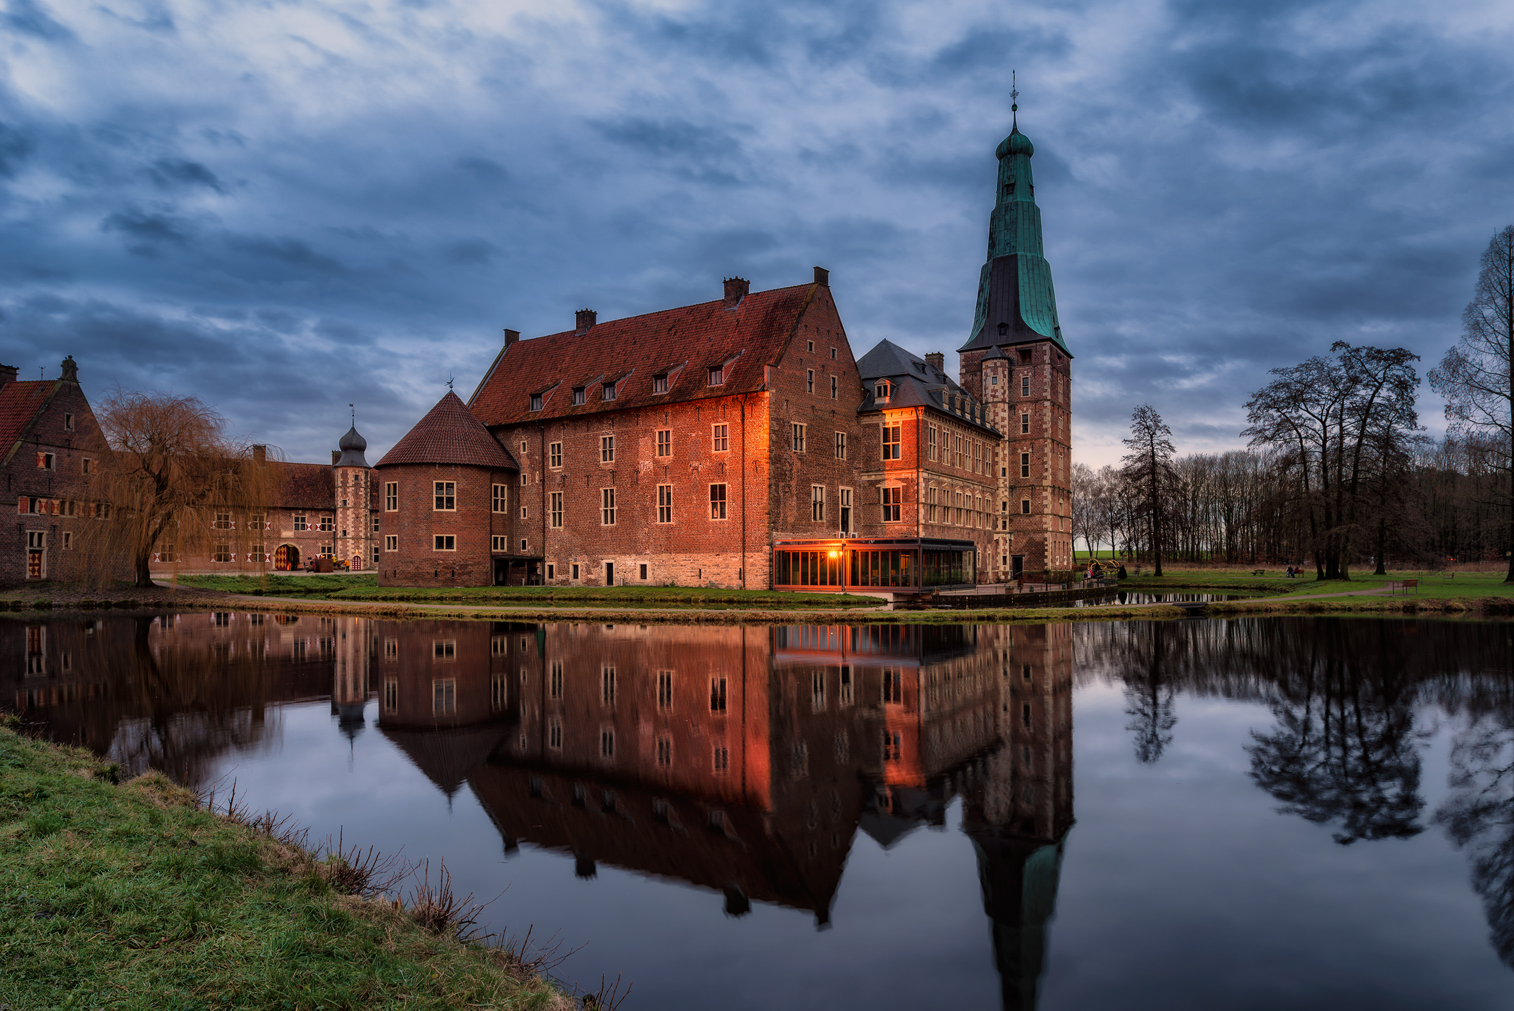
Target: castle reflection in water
{"type": "Point", "coordinates": [742, 760]}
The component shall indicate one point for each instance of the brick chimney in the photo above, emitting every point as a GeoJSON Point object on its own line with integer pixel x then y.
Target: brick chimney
{"type": "Point", "coordinates": [937, 361]}
{"type": "Point", "coordinates": [583, 320]}
{"type": "Point", "coordinates": [822, 276]}
{"type": "Point", "coordinates": [736, 289]}
{"type": "Point", "coordinates": [511, 336]}
{"type": "Point", "coordinates": [8, 374]}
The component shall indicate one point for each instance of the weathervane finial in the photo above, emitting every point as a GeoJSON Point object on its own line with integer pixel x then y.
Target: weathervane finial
{"type": "Point", "coordinates": [354, 415]}
{"type": "Point", "coordinates": [449, 381]}
{"type": "Point", "coordinates": [1014, 99]}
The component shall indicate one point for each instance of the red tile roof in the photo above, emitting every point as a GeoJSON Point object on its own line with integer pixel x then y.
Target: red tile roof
{"type": "Point", "coordinates": [682, 343]}
{"type": "Point", "coordinates": [449, 433]}
{"type": "Point", "coordinates": [20, 402]}
{"type": "Point", "coordinates": [306, 486]}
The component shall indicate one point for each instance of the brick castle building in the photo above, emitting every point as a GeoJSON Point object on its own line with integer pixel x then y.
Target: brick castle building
{"type": "Point", "coordinates": [739, 443]}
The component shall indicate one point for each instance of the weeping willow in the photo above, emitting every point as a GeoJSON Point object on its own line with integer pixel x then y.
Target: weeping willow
{"type": "Point", "coordinates": [175, 488]}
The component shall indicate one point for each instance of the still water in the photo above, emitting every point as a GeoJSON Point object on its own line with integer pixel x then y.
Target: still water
{"type": "Point", "coordinates": [1262, 813]}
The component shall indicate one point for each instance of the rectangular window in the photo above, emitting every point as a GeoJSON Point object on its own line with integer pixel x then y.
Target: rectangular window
{"type": "Point", "coordinates": [536, 401]}
{"type": "Point", "coordinates": [607, 391]}
{"type": "Point", "coordinates": [817, 692]}
{"type": "Point", "coordinates": [501, 497]}
{"type": "Point", "coordinates": [607, 743]}
{"type": "Point", "coordinates": [664, 503]}
{"type": "Point", "coordinates": [798, 437]}
{"type": "Point", "coordinates": [222, 521]}
{"type": "Point", "coordinates": [444, 697]}
{"type": "Point", "coordinates": [222, 553]}
{"type": "Point", "coordinates": [554, 454]}
{"type": "Point", "coordinates": [607, 685]}
{"type": "Point", "coordinates": [930, 443]}
{"type": "Point", "coordinates": [327, 523]}
{"type": "Point", "coordinates": [391, 542]}
{"type": "Point", "coordinates": [556, 503]}
{"type": "Point", "coordinates": [1025, 465]}
{"type": "Point", "coordinates": [817, 502]}
{"type": "Point", "coordinates": [891, 442]}
{"type": "Point", "coordinates": [841, 445]}
{"type": "Point", "coordinates": [717, 694]}
{"type": "Point", "coordinates": [607, 506]}
{"type": "Point", "coordinates": [722, 760]}
{"type": "Point", "coordinates": [717, 501]}
{"type": "Point", "coordinates": [665, 689]}
{"type": "Point", "coordinates": [664, 442]}
{"type": "Point", "coordinates": [445, 495]}
{"type": "Point", "coordinates": [833, 383]}
{"type": "Point", "coordinates": [660, 383]}
{"type": "Point", "coordinates": [68, 543]}
{"type": "Point", "coordinates": [499, 542]}
{"type": "Point", "coordinates": [575, 571]}
{"type": "Point", "coordinates": [88, 465]}
{"type": "Point", "coordinates": [643, 570]}
{"type": "Point", "coordinates": [722, 439]}
{"type": "Point", "coordinates": [444, 542]}
{"type": "Point", "coordinates": [893, 686]}
{"type": "Point", "coordinates": [578, 395]}
{"type": "Point", "coordinates": [391, 496]}
{"type": "Point", "coordinates": [1025, 424]}
{"type": "Point", "coordinates": [607, 449]}
{"type": "Point", "coordinates": [1024, 386]}
{"type": "Point", "coordinates": [809, 380]}
{"type": "Point", "coordinates": [68, 422]}
{"type": "Point", "coordinates": [45, 461]}
{"type": "Point", "coordinates": [1025, 507]}
{"type": "Point", "coordinates": [554, 680]}
{"type": "Point", "coordinates": [499, 689]}
{"type": "Point", "coordinates": [717, 375]}
{"type": "Point", "coordinates": [891, 500]}
{"type": "Point", "coordinates": [255, 555]}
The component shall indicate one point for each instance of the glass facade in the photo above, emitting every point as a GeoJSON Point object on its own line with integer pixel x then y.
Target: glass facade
{"type": "Point", "coordinates": [903, 564]}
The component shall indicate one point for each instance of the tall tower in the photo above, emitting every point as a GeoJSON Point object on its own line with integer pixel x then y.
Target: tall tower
{"type": "Point", "coordinates": [1017, 363]}
{"type": "Point", "coordinates": [354, 520]}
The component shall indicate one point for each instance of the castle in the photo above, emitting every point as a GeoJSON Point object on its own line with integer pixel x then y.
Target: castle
{"type": "Point", "coordinates": [735, 443]}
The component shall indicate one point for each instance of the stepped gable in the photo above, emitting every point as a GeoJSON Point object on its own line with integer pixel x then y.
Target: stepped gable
{"type": "Point", "coordinates": [20, 403]}
{"type": "Point", "coordinates": [680, 343]}
{"type": "Point", "coordinates": [449, 433]}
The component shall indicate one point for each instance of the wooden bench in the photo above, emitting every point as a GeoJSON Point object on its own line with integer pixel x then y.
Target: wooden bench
{"type": "Point", "coordinates": [1404, 585]}
{"type": "Point", "coordinates": [1258, 572]}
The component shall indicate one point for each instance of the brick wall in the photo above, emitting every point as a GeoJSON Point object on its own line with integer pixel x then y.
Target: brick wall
{"type": "Point", "coordinates": [416, 523]}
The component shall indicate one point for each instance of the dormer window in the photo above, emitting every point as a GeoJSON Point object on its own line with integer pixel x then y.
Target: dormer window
{"type": "Point", "coordinates": [660, 383]}
{"type": "Point", "coordinates": [1003, 329]}
{"type": "Point", "coordinates": [578, 395]}
{"type": "Point", "coordinates": [880, 391]}
{"type": "Point", "coordinates": [717, 375]}
{"type": "Point", "coordinates": [607, 391]}
{"type": "Point", "coordinates": [536, 401]}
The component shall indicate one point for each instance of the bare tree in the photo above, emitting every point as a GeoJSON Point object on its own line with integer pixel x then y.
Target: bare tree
{"type": "Point", "coordinates": [1475, 375]}
{"type": "Point", "coordinates": [1085, 494]}
{"type": "Point", "coordinates": [1148, 471]}
{"type": "Point", "coordinates": [176, 483]}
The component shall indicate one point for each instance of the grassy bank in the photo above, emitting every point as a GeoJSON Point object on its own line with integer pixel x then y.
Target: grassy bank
{"type": "Point", "coordinates": [366, 588]}
{"type": "Point", "coordinates": [134, 897]}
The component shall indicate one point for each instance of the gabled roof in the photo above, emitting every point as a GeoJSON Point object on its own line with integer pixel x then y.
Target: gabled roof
{"type": "Point", "coordinates": [449, 433]}
{"type": "Point", "coordinates": [915, 382]}
{"type": "Point", "coordinates": [634, 350]}
{"type": "Point", "coordinates": [305, 486]}
{"type": "Point", "coordinates": [20, 403]}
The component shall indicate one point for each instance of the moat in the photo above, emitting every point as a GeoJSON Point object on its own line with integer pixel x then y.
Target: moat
{"type": "Point", "coordinates": [1310, 812]}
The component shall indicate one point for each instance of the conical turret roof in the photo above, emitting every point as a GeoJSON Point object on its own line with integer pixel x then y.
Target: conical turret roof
{"type": "Point", "coordinates": [449, 433]}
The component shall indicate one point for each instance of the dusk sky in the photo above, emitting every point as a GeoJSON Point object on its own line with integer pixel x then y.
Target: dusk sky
{"type": "Point", "coordinates": [283, 208]}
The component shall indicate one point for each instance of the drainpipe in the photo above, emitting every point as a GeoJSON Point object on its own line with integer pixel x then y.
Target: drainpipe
{"type": "Point", "coordinates": [541, 441]}
{"type": "Point", "coordinates": [743, 498]}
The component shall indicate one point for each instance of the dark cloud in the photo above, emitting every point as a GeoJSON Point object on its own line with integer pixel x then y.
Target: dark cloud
{"type": "Point", "coordinates": [1225, 188]}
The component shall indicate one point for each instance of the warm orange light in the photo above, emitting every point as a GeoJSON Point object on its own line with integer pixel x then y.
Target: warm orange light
{"type": "Point", "coordinates": [835, 554]}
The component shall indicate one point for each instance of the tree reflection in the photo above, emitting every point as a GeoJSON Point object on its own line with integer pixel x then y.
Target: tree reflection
{"type": "Point", "coordinates": [1479, 817]}
{"type": "Point", "coordinates": [1150, 702]}
{"type": "Point", "coordinates": [1344, 749]}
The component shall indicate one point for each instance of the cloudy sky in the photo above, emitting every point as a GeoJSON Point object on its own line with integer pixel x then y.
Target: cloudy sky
{"type": "Point", "coordinates": [286, 207]}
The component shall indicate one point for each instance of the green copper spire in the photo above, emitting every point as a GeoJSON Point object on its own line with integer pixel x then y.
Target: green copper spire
{"type": "Point", "coordinates": [1016, 302]}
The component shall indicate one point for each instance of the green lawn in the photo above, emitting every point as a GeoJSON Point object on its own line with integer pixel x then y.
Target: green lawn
{"type": "Point", "coordinates": [1432, 585]}
{"type": "Point", "coordinates": [132, 897]}
{"type": "Point", "coordinates": [365, 587]}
